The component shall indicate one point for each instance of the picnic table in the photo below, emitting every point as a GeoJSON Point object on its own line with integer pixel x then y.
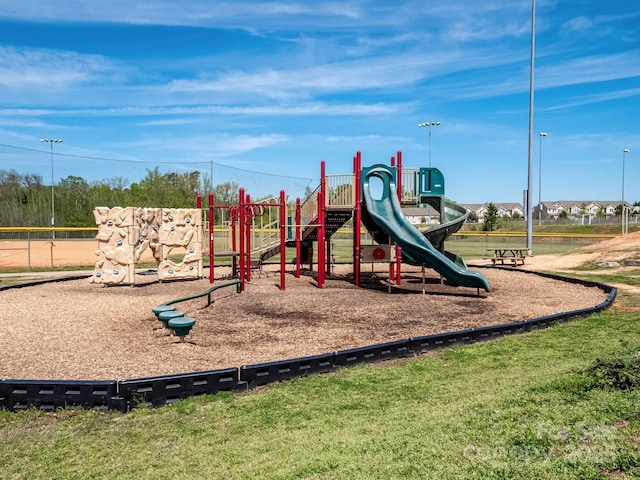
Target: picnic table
{"type": "Point", "coordinates": [510, 254]}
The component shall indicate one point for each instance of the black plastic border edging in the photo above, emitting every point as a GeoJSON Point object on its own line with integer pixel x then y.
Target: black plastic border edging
{"type": "Point", "coordinates": [164, 390]}
{"type": "Point", "coordinates": [264, 373]}
{"type": "Point", "coordinates": [124, 395]}
{"type": "Point", "coordinates": [374, 353]}
{"type": "Point", "coordinates": [50, 395]}
{"type": "Point", "coordinates": [35, 283]}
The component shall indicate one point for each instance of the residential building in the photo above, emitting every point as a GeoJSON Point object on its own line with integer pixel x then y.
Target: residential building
{"type": "Point", "coordinates": [513, 210]}
{"type": "Point", "coordinates": [577, 209]}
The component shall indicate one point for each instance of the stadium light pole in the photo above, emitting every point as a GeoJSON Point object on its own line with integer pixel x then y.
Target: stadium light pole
{"type": "Point", "coordinates": [542, 134]}
{"type": "Point", "coordinates": [51, 141]}
{"type": "Point", "coordinates": [530, 155]}
{"type": "Point", "coordinates": [624, 154]}
{"type": "Point", "coordinates": [429, 124]}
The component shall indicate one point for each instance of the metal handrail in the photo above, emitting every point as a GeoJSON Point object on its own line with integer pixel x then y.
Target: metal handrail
{"type": "Point", "coordinates": [207, 292]}
{"type": "Point", "coordinates": [340, 191]}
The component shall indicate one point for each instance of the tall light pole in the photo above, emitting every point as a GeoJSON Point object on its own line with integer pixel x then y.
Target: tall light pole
{"type": "Point", "coordinates": [429, 124]}
{"type": "Point", "coordinates": [624, 224]}
{"type": "Point", "coordinates": [542, 134]}
{"type": "Point", "coordinates": [51, 141]}
{"type": "Point", "coordinates": [530, 156]}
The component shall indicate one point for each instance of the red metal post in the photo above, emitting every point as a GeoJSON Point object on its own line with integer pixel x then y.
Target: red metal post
{"type": "Point", "coordinates": [398, 247]}
{"type": "Point", "coordinates": [248, 218]}
{"type": "Point", "coordinates": [357, 170]}
{"type": "Point", "coordinates": [241, 225]}
{"type": "Point", "coordinates": [211, 238]}
{"type": "Point", "coordinates": [283, 235]}
{"type": "Point", "coordinates": [298, 220]}
{"type": "Point", "coordinates": [399, 175]}
{"type": "Point", "coordinates": [321, 222]}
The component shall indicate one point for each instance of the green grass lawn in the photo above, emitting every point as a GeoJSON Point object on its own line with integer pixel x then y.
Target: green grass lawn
{"type": "Point", "coordinates": [531, 406]}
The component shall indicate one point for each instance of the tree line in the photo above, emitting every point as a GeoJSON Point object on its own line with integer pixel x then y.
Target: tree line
{"type": "Point", "coordinates": [25, 201]}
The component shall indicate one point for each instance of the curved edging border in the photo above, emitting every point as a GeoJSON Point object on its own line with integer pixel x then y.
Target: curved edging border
{"type": "Point", "coordinates": [124, 395]}
{"type": "Point", "coordinates": [35, 283]}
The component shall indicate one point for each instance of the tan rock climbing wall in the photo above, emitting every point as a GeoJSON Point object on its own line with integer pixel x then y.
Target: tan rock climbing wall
{"type": "Point", "coordinates": [180, 244]}
{"type": "Point", "coordinates": [173, 235]}
{"type": "Point", "coordinates": [115, 246]}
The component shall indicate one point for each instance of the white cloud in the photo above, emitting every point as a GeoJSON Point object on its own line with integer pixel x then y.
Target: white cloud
{"type": "Point", "coordinates": [178, 115]}
{"type": "Point", "coordinates": [227, 14]}
{"type": "Point", "coordinates": [594, 98]}
{"type": "Point", "coordinates": [214, 145]}
{"type": "Point", "coordinates": [588, 69]}
{"type": "Point", "coordinates": [23, 69]}
{"type": "Point", "coordinates": [579, 24]}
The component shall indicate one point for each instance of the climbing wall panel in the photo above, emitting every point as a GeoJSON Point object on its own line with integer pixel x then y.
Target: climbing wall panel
{"type": "Point", "coordinates": [180, 241]}
{"type": "Point", "coordinates": [174, 237]}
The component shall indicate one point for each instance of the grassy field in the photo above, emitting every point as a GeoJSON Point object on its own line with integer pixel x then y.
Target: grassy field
{"type": "Point", "coordinates": [562, 403]}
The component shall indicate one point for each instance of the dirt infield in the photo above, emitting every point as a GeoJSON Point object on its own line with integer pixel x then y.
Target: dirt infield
{"type": "Point", "coordinates": [48, 254]}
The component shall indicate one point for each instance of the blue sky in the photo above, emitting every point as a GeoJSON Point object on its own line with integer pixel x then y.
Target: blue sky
{"type": "Point", "coordinates": [278, 86]}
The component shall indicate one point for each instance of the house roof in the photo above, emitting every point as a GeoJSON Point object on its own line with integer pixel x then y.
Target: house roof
{"type": "Point", "coordinates": [417, 211]}
{"type": "Point", "coordinates": [571, 203]}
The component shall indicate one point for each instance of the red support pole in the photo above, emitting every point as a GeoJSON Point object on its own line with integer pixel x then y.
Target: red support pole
{"type": "Point", "coordinates": [248, 217]}
{"type": "Point", "coordinates": [321, 228]}
{"type": "Point", "coordinates": [357, 170]}
{"type": "Point", "coordinates": [398, 247]}
{"type": "Point", "coordinates": [298, 232]}
{"type": "Point", "coordinates": [241, 225]}
{"type": "Point", "coordinates": [283, 235]}
{"type": "Point", "coordinates": [313, 208]}
{"type": "Point", "coordinates": [399, 175]}
{"type": "Point", "coordinates": [211, 238]}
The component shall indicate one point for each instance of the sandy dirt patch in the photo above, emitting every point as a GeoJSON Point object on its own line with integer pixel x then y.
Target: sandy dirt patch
{"type": "Point", "coordinates": [41, 253]}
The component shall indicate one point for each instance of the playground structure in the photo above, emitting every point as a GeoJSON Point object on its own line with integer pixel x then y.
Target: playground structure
{"type": "Point", "coordinates": [260, 230]}
{"type": "Point", "coordinates": [338, 199]}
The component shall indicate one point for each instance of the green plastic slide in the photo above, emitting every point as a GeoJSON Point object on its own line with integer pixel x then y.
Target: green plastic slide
{"type": "Point", "coordinates": [386, 213]}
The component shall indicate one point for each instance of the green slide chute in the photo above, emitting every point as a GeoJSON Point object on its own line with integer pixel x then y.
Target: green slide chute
{"type": "Point", "coordinates": [386, 213]}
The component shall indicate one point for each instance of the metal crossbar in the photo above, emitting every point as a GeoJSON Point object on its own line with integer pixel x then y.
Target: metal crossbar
{"type": "Point", "coordinates": [207, 292]}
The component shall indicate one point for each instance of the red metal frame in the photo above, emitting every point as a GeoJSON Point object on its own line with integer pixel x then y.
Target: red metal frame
{"type": "Point", "coordinates": [283, 234]}
{"type": "Point", "coordinates": [211, 238]}
{"type": "Point", "coordinates": [247, 231]}
{"type": "Point", "coordinates": [298, 235]}
{"type": "Point", "coordinates": [241, 235]}
{"type": "Point", "coordinates": [357, 170]}
{"type": "Point", "coordinates": [398, 247]}
{"type": "Point", "coordinates": [243, 212]}
{"type": "Point", "coordinates": [321, 223]}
